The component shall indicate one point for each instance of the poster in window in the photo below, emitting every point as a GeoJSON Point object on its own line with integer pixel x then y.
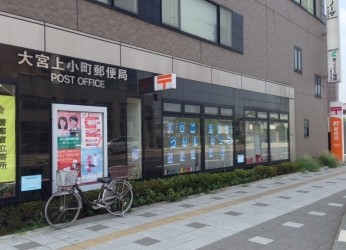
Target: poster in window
{"type": "Point", "coordinates": [182, 156]}
{"type": "Point", "coordinates": [169, 127]}
{"type": "Point", "coordinates": [210, 128]}
{"type": "Point", "coordinates": [212, 140]}
{"type": "Point", "coordinates": [170, 158]}
{"type": "Point", "coordinates": [193, 154]}
{"type": "Point", "coordinates": [211, 153]}
{"type": "Point", "coordinates": [182, 127]}
{"type": "Point", "coordinates": [184, 142]}
{"type": "Point", "coordinates": [172, 142]}
{"type": "Point", "coordinates": [195, 141]}
{"type": "Point", "coordinates": [192, 128]}
{"type": "Point", "coordinates": [220, 139]}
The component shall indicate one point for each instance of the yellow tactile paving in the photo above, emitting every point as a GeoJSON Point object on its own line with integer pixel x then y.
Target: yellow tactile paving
{"type": "Point", "coordinates": [186, 215]}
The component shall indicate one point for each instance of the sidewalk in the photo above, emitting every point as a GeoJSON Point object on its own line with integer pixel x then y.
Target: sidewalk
{"type": "Point", "coordinates": [300, 211]}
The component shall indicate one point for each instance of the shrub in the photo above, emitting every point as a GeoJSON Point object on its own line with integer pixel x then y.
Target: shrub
{"type": "Point", "coordinates": [21, 217]}
{"type": "Point", "coordinates": [244, 176]}
{"type": "Point", "coordinates": [308, 163]}
{"type": "Point", "coordinates": [328, 159]}
{"type": "Point", "coordinates": [262, 172]}
{"type": "Point", "coordinates": [287, 168]}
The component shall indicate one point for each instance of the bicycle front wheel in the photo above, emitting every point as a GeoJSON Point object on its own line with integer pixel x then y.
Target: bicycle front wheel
{"type": "Point", "coordinates": [118, 197]}
{"type": "Point", "coordinates": [62, 208]}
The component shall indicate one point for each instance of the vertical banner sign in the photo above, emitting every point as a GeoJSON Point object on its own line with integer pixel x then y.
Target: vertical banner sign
{"type": "Point", "coordinates": [333, 41]}
{"type": "Point", "coordinates": [336, 130]}
{"type": "Point", "coordinates": [7, 139]}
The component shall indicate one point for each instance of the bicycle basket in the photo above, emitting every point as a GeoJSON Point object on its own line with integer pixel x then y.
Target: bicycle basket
{"type": "Point", "coordinates": [66, 178]}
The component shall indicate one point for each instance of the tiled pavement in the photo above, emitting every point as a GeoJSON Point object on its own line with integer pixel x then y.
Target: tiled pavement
{"type": "Point", "coordinates": [300, 211]}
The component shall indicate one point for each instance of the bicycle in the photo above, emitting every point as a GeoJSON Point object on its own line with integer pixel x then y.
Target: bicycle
{"type": "Point", "coordinates": [63, 207]}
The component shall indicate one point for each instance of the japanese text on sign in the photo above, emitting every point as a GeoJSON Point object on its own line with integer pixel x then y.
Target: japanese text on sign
{"type": "Point", "coordinates": [44, 61]}
{"type": "Point", "coordinates": [331, 8]}
{"type": "Point", "coordinates": [3, 151]}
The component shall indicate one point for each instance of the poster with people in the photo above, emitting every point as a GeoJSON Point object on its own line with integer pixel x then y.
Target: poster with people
{"type": "Point", "coordinates": [69, 139]}
{"type": "Point", "coordinates": [78, 138]}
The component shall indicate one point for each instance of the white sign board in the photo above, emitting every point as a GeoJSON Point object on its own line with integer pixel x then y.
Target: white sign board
{"type": "Point", "coordinates": [333, 66]}
{"type": "Point", "coordinates": [333, 41]}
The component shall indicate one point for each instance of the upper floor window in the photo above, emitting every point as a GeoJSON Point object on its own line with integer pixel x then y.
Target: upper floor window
{"type": "Point", "coordinates": [183, 15]}
{"type": "Point", "coordinates": [129, 5]}
{"type": "Point", "coordinates": [105, 1]}
{"type": "Point", "coordinates": [317, 86]}
{"type": "Point", "coordinates": [171, 13]}
{"type": "Point", "coordinates": [298, 60]}
{"type": "Point", "coordinates": [225, 27]}
{"type": "Point", "coordinates": [306, 128]}
{"type": "Point", "coordinates": [202, 23]}
{"type": "Point", "coordinates": [314, 7]}
{"type": "Point", "coordinates": [200, 18]}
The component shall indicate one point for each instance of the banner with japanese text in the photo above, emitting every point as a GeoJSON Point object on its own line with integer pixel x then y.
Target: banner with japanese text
{"type": "Point", "coordinates": [336, 130]}
{"type": "Point", "coordinates": [7, 139]}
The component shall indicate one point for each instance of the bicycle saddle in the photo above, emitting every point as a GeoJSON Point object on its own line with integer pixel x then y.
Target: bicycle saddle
{"type": "Point", "coordinates": [104, 179]}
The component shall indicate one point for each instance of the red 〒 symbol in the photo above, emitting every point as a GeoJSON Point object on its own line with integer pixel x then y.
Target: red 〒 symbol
{"type": "Point", "coordinates": [164, 79]}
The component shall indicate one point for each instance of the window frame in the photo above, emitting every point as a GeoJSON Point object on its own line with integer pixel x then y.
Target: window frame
{"type": "Point", "coordinates": [306, 128]}
{"type": "Point", "coordinates": [317, 86]}
{"type": "Point", "coordinates": [298, 60]}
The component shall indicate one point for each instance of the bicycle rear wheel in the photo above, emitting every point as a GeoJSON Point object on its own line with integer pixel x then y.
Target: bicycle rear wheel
{"type": "Point", "coordinates": [118, 197]}
{"type": "Point", "coordinates": [62, 208]}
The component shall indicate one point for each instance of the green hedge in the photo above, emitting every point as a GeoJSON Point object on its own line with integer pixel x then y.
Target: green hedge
{"type": "Point", "coordinates": [30, 215]}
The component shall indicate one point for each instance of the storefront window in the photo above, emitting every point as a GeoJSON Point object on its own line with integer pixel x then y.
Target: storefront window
{"type": "Point", "coordinates": [250, 114]}
{"type": "Point", "coordinates": [274, 115]}
{"type": "Point", "coordinates": [283, 116]}
{"type": "Point", "coordinates": [182, 145]}
{"type": "Point", "coordinates": [256, 142]}
{"type": "Point", "coordinates": [218, 143]}
{"type": "Point", "coordinates": [211, 110]}
{"type": "Point", "coordinates": [193, 109]}
{"type": "Point", "coordinates": [279, 141]}
{"type": "Point", "coordinates": [172, 107]}
{"type": "Point", "coordinates": [263, 115]}
{"type": "Point", "coordinates": [226, 112]}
